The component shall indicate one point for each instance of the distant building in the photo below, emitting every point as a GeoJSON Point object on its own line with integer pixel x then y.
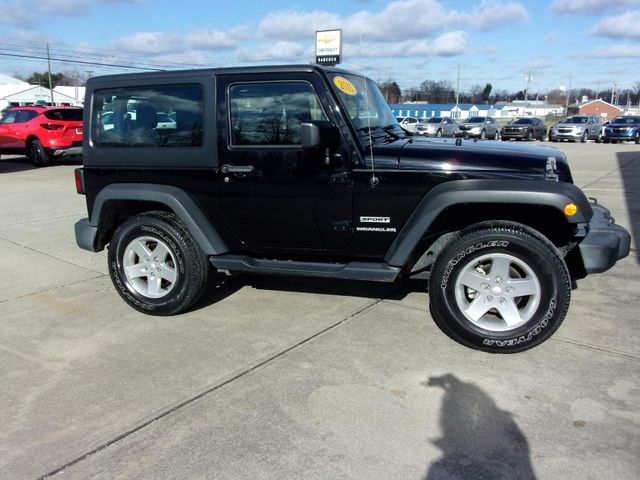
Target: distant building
{"type": "Point", "coordinates": [596, 107]}
{"type": "Point", "coordinates": [461, 111]}
{"type": "Point", "coordinates": [16, 93]}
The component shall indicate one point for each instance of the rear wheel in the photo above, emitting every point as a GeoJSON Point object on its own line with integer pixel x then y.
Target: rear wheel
{"type": "Point", "coordinates": [599, 138]}
{"type": "Point", "coordinates": [155, 264]}
{"type": "Point", "coordinates": [499, 287]}
{"type": "Point", "coordinates": [37, 154]}
{"type": "Point", "coordinates": [529, 136]}
{"type": "Point", "coordinates": [544, 137]}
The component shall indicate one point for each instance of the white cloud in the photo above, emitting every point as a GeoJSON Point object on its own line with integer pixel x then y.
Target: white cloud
{"type": "Point", "coordinates": [293, 25]}
{"type": "Point", "coordinates": [564, 7]}
{"type": "Point", "coordinates": [208, 39]}
{"type": "Point", "coordinates": [407, 19]}
{"type": "Point", "coordinates": [447, 44]}
{"type": "Point", "coordinates": [623, 26]}
{"type": "Point", "coordinates": [277, 51]}
{"type": "Point", "coordinates": [150, 43]}
{"type": "Point", "coordinates": [613, 51]}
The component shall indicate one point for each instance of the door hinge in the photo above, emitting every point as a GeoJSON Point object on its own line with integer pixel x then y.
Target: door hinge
{"type": "Point", "coordinates": [341, 226]}
{"type": "Point", "coordinates": [340, 180]}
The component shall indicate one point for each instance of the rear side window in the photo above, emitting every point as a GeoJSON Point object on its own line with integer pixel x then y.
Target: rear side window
{"type": "Point", "coordinates": [67, 115]}
{"type": "Point", "coordinates": [18, 116]}
{"type": "Point", "coordinates": [271, 114]}
{"type": "Point", "coordinates": [159, 116]}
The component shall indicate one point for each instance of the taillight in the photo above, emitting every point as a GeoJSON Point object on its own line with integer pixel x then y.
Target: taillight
{"type": "Point", "coordinates": [52, 126]}
{"type": "Point", "coordinates": [79, 174]}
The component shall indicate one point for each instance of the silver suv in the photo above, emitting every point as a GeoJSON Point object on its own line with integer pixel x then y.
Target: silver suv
{"type": "Point", "coordinates": [437, 127]}
{"type": "Point", "coordinates": [577, 128]}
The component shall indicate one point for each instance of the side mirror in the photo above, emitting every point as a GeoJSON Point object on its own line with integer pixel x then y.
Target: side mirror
{"type": "Point", "coordinates": [319, 134]}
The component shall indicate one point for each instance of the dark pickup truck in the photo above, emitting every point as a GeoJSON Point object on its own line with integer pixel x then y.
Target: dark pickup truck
{"type": "Point", "coordinates": [304, 171]}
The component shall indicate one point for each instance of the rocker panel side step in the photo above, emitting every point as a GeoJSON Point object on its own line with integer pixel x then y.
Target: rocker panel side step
{"type": "Point", "coordinates": [369, 271]}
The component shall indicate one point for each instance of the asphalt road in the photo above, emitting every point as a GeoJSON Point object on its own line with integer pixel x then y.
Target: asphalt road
{"type": "Point", "coordinates": [305, 379]}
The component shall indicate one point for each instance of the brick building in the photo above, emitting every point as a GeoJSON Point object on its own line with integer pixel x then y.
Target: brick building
{"type": "Point", "coordinates": [597, 107]}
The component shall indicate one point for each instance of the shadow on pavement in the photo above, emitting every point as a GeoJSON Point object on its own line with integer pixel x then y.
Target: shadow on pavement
{"type": "Point", "coordinates": [221, 287]}
{"type": "Point", "coordinates": [629, 164]}
{"type": "Point", "coordinates": [479, 440]}
{"type": "Point", "coordinates": [16, 164]}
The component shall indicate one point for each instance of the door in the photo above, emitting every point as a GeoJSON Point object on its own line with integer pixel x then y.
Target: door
{"type": "Point", "coordinates": [275, 195]}
{"type": "Point", "coordinates": [14, 128]}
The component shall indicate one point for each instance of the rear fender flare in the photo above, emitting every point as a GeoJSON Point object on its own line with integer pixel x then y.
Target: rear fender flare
{"type": "Point", "coordinates": [176, 199]}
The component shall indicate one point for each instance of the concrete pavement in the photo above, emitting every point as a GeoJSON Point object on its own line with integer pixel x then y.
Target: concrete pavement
{"type": "Point", "coordinates": [290, 378]}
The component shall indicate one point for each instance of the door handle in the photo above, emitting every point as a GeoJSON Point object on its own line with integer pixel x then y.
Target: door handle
{"type": "Point", "coordinates": [237, 168]}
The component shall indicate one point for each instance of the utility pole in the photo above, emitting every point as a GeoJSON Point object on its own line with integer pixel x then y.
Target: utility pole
{"type": "Point", "coordinates": [569, 94]}
{"type": "Point", "coordinates": [458, 87]}
{"type": "Point", "coordinates": [49, 70]}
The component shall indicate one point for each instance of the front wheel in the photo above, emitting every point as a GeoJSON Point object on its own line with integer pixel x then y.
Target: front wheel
{"type": "Point", "coordinates": [483, 135]}
{"type": "Point", "coordinates": [499, 287]}
{"type": "Point", "coordinates": [584, 137]}
{"type": "Point", "coordinates": [439, 133]}
{"type": "Point", "coordinates": [155, 264]}
{"type": "Point", "coordinates": [529, 136]}
{"type": "Point", "coordinates": [544, 137]}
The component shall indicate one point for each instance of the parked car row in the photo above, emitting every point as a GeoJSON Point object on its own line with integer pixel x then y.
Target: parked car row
{"type": "Point", "coordinates": [41, 133]}
{"type": "Point", "coordinates": [577, 128]}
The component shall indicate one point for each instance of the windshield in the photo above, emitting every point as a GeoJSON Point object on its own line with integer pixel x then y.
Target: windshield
{"type": "Point", "coordinates": [364, 103]}
{"type": "Point", "coordinates": [522, 121]}
{"type": "Point", "coordinates": [626, 120]}
{"type": "Point", "coordinates": [476, 120]}
{"type": "Point", "coordinates": [434, 120]}
{"type": "Point", "coordinates": [575, 120]}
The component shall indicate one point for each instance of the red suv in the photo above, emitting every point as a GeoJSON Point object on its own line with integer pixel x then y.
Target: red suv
{"type": "Point", "coordinates": [41, 133]}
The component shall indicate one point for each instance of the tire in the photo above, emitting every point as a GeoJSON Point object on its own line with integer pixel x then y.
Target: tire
{"type": "Point", "coordinates": [439, 133]}
{"type": "Point", "coordinates": [638, 138]}
{"type": "Point", "coordinates": [599, 138]}
{"type": "Point", "coordinates": [475, 317]}
{"type": "Point", "coordinates": [544, 137]}
{"type": "Point", "coordinates": [177, 273]}
{"type": "Point", "coordinates": [483, 135]}
{"type": "Point", "coordinates": [497, 135]}
{"type": "Point", "coordinates": [37, 154]}
{"type": "Point", "coordinates": [605, 140]}
{"type": "Point", "coordinates": [529, 136]}
{"type": "Point", "coordinates": [584, 137]}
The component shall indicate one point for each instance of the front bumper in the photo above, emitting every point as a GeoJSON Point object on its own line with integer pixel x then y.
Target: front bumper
{"type": "Point", "coordinates": [605, 242]}
{"type": "Point", "coordinates": [468, 134]}
{"type": "Point", "coordinates": [567, 136]}
{"type": "Point", "coordinates": [521, 135]}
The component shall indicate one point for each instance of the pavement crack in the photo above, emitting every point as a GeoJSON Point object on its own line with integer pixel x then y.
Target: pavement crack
{"type": "Point", "coordinates": [593, 347]}
{"type": "Point", "coordinates": [620, 167]}
{"type": "Point", "coordinates": [217, 387]}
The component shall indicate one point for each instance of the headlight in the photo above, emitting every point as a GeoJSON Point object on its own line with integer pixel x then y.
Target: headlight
{"type": "Point", "coordinates": [475, 130]}
{"type": "Point", "coordinates": [579, 129]}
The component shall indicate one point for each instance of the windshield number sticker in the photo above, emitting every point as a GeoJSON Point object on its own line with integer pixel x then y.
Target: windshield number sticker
{"type": "Point", "coordinates": [345, 86]}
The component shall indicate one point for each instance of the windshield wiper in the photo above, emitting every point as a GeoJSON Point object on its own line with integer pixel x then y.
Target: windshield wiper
{"type": "Point", "coordinates": [389, 132]}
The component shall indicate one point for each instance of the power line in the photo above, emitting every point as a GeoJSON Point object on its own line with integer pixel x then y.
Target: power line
{"type": "Point", "coordinates": [81, 62]}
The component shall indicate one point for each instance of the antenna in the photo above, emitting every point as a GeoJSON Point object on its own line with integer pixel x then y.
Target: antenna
{"type": "Point", "coordinates": [374, 180]}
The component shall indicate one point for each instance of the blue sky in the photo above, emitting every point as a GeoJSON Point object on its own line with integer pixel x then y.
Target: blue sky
{"type": "Point", "coordinates": [590, 43]}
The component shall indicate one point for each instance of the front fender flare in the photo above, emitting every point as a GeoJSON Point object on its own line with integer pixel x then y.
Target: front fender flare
{"type": "Point", "coordinates": [460, 192]}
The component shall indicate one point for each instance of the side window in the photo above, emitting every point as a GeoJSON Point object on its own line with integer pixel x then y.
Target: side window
{"type": "Point", "coordinates": [271, 113]}
{"type": "Point", "coordinates": [160, 116]}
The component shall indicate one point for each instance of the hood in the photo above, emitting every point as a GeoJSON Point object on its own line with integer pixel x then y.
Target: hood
{"type": "Point", "coordinates": [471, 159]}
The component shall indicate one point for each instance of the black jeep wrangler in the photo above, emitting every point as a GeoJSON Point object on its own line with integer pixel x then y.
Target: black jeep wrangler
{"type": "Point", "coordinates": [303, 170]}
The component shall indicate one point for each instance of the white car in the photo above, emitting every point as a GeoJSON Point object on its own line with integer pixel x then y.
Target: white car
{"type": "Point", "coordinates": [410, 124]}
{"type": "Point", "coordinates": [165, 122]}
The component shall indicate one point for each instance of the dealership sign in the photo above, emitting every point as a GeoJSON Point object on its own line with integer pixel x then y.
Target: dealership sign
{"type": "Point", "coordinates": [328, 47]}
